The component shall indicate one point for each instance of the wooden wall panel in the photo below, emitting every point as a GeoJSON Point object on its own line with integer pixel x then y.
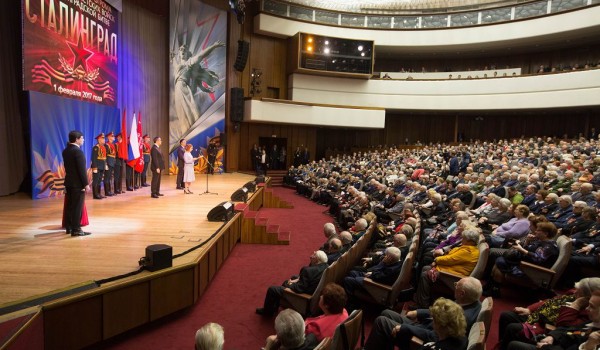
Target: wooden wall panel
{"type": "Point", "coordinates": [171, 293]}
{"type": "Point", "coordinates": [125, 309]}
{"type": "Point", "coordinates": [73, 326]}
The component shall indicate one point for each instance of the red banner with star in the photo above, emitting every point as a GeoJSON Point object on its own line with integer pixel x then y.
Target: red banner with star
{"type": "Point", "coordinates": [70, 49]}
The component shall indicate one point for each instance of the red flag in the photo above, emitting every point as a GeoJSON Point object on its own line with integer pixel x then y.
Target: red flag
{"type": "Point", "coordinates": [139, 166]}
{"type": "Point", "coordinates": [123, 144]}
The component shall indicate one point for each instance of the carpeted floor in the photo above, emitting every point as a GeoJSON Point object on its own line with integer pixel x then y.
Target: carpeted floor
{"type": "Point", "coordinates": [239, 287]}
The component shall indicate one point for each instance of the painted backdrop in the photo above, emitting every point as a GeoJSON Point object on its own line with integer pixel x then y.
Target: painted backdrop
{"type": "Point", "coordinates": [197, 77]}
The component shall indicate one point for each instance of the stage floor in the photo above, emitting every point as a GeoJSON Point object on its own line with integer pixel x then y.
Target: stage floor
{"type": "Point", "coordinates": [37, 257]}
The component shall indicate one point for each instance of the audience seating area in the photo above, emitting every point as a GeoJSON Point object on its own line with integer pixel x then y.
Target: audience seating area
{"type": "Point", "coordinates": [533, 203]}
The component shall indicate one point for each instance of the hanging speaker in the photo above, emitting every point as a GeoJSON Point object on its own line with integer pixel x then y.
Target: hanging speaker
{"type": "Point", "coordinates": [222, 212]}
{"type": "Point", "coordinates": [236, 112]}
{"type": "Point", "coordinates": [242, 55]}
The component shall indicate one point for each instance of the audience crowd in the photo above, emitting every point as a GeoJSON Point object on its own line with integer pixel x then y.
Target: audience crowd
{"type": "Point", "coordinates": [514, 196]}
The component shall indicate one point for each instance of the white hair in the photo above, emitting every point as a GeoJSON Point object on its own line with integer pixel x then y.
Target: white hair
{"type": "Point", "coordinates": [329, 229]}
{"type": "Point", "coordinates": [289, 327]}
{"type": "Point", "coordinates": [210, 337]}
{"type": "Point", "coordinates": [394, 253]}
{"type": "Point", "coordinates": [321, 256]}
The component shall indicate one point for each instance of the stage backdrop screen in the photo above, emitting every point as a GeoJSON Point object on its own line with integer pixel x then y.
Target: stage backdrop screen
{"type": "Point", "coordinates": [197, 78]}
{"type": "Point", "coordinates": [70, 49]}
{"type": "Point", "coordinates": [51, 120]}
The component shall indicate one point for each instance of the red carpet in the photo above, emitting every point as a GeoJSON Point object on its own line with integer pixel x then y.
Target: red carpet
{"type": "Point", "coordinates": [239, 287]}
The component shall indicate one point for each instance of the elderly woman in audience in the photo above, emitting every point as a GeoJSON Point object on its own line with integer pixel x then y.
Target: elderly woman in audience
{"type": "Point", "coordinates": [210, 337]}
{"type": "Point", "coordinates": [393, 329]}
{"type": "Point", "coordinates": [551, 204]}
{"type": "Point", "coordinates": [539, 248]}
{"type": "Point", "coordinates": [514, 229]}
{"type": "Point", "coordinates": [569, 309]}
{"type": "Point", "coordinates": [290, 333]}
{"type": "Point", "coordinates": [431, 250]}
{"type": "Point", "coordinates": [460, 260]}
{"type": "Point", "coordinates": [449, 325]}
{"type": "Point", "coordinates": [332, 302]}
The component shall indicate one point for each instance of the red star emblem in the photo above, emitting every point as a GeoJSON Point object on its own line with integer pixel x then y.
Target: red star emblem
{"type": "Point", "coordinates": [81, 54]}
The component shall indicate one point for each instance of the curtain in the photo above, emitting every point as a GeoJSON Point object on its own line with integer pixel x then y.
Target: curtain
{"type": "Point", "coordinates": [143, 69]}
{"type": "Point", "coordinates": [14, 162]}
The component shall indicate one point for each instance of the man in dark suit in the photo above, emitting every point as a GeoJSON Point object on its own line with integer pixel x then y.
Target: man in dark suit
{"type": "Point", "coordinates": [76, 183]}
{"type": "Point", "coordinates": [307, 283]}
{"type": "Point", "coordinates": [157, 165]}
{"type": "Point", "coordinates": [180, 164]}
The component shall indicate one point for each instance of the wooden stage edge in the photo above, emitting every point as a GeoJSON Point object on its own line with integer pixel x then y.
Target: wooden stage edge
{"type": "Point", "coordinates": [91, 316]}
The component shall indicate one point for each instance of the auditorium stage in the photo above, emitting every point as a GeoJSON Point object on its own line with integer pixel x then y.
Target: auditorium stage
{"type": "Point", "coordinates": [37, 257]}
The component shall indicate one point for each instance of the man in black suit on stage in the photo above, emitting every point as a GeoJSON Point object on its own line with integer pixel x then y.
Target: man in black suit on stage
{"type": "Point", "coordinates": [157, 165]}
{"type": "Point", "coordinates": [180, 163]}
{"type": "Point", "coordinates": [76, 183]}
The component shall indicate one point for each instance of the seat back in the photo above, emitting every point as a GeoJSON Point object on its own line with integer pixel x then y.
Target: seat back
{"type": "Point", "coordinates": [485, 314]}
{"type": "Point", "coordinates": [347, 333]}
{"type": "Point", "coordinates": [565, 246]}
{"type": "Point", "coordinates": [327, 277]}
{"type": "Point", "coordinates": [484, 253]}
{"type": "Point", "coordinates": [477, 336]}
{"type": "Point", "coordinates": [325, 344]}
{"type": "Point", "coordinates": [403, 280]}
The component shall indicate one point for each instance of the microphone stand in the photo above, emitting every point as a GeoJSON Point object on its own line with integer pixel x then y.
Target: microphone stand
{"type": "Point", "coordinates": [207, 191]}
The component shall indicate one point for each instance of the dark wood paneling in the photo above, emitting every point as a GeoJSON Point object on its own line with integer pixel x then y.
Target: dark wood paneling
{"type": "Point", "coordinates": [125, 309]}
{"type": "Point", "coordinates": [73, 326]}
{"type": "Point", "coordinates": [171, 293]}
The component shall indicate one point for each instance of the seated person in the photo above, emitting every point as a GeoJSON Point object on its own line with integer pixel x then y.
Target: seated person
{"type": "Point", "coordinates": [210, 337]}
{"type": "Point", "coordinates": [335, 251]}
{"type": "Point", "coordinates": [460, 260]}
{"type": "Point", "coordinates": [562, 311]}
{"type": "Point", "coordinates": [453, 240]}
{"type": "Point", "coordinates": [329, 232]}
{"type": "Point", "coordinates": [359, 229]}
{"type": "Point", "coordinates": [332, 302]}
{"type": "Point", "coordinates": [539, 248]}
{"type": "Point", "coordinates": [385, 272]}
{"type": "Point", "coordinates": [307, 282]}
{"type": "Point", "coordinates": [449, 326]}
{"type": "Point", "coordinates": [584, 336]}
{"type": "Point", "coordinates": [391, 329]}
{"type": "Point", "coordinates": [497, 217]}
{"type": "Point", "coordinates": [289, 333]}
{"type": "Point", "coordinates": [374, 257]}
{"type": "Point", "coordinates": [346, 238]}
{"type": "Point", "coordinates": [515, 228]}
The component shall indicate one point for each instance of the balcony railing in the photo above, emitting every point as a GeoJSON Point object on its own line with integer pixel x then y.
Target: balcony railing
{"type": "Point", "coordinates": [424, 21]}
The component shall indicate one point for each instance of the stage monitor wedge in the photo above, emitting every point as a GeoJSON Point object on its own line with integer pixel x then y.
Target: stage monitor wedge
{"type": "Point", "coordinates": [240, 195]}
{"type": "Point", "coordinates": [158, 257]}
{"type": "Point", "coordinates": [222, 212]}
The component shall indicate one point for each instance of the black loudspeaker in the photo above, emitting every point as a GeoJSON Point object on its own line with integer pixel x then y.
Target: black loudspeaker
{"type": "Point", "coordinates": [222, 212]}
{"type": "Point", "coordinates": [236, 112]}
{"type": "Point", "coordinates": [242, 55]}
{"type": "Point", "coordinates": [223, 138]}
{"type": "Point", "coordinates": [251, 186]}
{"type": "Point", "coordinates": [240, 195]}
{"type": "Point", "coordinates": [158, 257]}
{"type": "Point", "coordinates": [260, 179]}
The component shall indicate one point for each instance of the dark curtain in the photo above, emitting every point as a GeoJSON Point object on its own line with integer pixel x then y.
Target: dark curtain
{"type": "Point", "coordinates": [143, 74]}
{"type": "Point", "coordinates": [14, 163]}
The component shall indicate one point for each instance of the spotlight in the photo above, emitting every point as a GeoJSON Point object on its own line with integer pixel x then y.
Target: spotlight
{"type": "Point", "coordinates": [310, 40]}
{"type": "Point", "coordinates": [360, 47]}
{"type": "Point", "coordinates": [326, 51]}
{"type": "Point", "coordinates": [362, 54]}
{"type": "Point", "coordinates": [309, 48]}
{"type": "Point", "coordinates": [326, 42]}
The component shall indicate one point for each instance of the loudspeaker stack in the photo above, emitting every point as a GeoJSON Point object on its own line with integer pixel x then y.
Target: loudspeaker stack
{"type": "Point", "coordinates": [236, 112]}
{"type": "Point", "coordinates": [242, 55]}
